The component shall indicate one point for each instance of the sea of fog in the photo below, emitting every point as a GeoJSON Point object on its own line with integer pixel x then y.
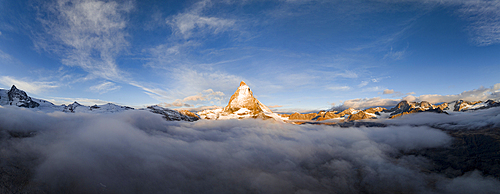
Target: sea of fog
{"type": "Point", "coordinates": [140, 152]}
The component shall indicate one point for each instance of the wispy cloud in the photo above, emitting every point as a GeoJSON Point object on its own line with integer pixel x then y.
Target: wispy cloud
{"type": "Point", "coordinates": [374, 80]}
{"type": "Point", "coordinates": [87, 33]}
{"type": "Point", "coordinates": [340, 88]}
{"type": "Point", "coordinates": [194, 22]}
{"type": "Point", "coordinates": [387, 91]}
{"type": "Point", "coordinates": [372, 89]}
{"type": "Point", "coordinates": [484, 16]}
{"type": "Point", "coordinates": [205, 96]}
{"type": "Point", "coordinates": [363, 83]}
{"type": "Point", "coordinates": [395, 93]}
{"type": "Point", "coordinates": [35, 87]}
{"type": "Point", "coordinates": [104, 87]}
{"type": "Point", "coordinates": [155, 93]}
{"type": "Point", "coordinates": [5, 57]}
{"type": "Point", "coordinates": [396, 55]}
{"type": "Point", "coordinates": [368, 102]}
{"type": "Point", "coordinates": [189, 82]}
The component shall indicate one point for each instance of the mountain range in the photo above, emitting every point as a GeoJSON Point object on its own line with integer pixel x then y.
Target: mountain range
{"type": "Point", "coordinates": [18, 98]}
{"type": "Point", "coordinates": [243, 105]}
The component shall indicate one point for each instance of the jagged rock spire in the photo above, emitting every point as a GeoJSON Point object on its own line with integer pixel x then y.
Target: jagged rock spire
{"type": "Point", "coordinates": [23, 100]}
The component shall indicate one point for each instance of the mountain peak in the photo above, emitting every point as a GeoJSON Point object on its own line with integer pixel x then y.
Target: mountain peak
{"type": "Point", "coordinates": [243, 98]}
{"type": "Point", "coordinates": [22, 99]}
{"type": "Point", "coordinates": [241, 105]}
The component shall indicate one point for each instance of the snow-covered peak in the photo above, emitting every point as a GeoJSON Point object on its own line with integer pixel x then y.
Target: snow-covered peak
{"type": "Point", "coordinates": [242, 98]}
{"type": "Point", "coordinates": [241, 105]}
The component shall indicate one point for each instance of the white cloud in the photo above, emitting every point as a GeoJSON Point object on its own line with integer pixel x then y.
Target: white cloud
{"type": "Point", "coordinates": [35, 87]}
{"type": "Point", "coordinates": [206, 95]}
{"type": "Point", "coordinates": [346, 74]}
{"type": "Point", "coordinates": [170, 55]}
{"type": "Point", "coordinates": [396, 55]}
{"type": "Point", "coordinates": [155, 93]}
{"type": "Point", "coordinates": [104, 87]}
{"type": "Point", "coordinates": [87, 33]}
{"type": "Point", "coordinates": [372, 89]}
{"type": "Point", "coordinates": [363, 83]}
{"type": "Point", "coordinates": [4, 56]}
{"type": "Point", "coordinates": [193, 22]}
{"type": "Point", "coordinates": [190, 82]}
{"type": "Point", "coordinates": [387, 91]}
{"type": "Point", "coordinates": [341, 88]}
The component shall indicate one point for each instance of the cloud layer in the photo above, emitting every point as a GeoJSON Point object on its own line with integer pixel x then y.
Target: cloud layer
{"type": "Point", "coordinates": [140, 152]}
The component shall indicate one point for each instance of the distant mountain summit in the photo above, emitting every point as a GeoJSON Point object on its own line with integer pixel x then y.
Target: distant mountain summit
{"type": "Point", "coordinates": [242, 104]}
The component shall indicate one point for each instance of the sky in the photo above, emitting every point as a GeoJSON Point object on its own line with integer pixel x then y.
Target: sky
{"type": "Point", "coordinates": [296, 55]}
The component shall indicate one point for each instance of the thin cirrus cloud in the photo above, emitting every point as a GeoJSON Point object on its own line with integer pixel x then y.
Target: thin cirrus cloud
{"type": "Point", "coordinates": [194, 23]}
{"type": "Point", "coordinates": [35, 87]}
{"type": "Point", "coordinates": [341, 88]}
{"type": "Point", "coordinates": [104, 87]}
{"type": "Point", "coordinates": [483, 15]}
{"type": "Point", "coordinates": [485, 21]}
{"type": "Point", "coordinates": [88, 34]}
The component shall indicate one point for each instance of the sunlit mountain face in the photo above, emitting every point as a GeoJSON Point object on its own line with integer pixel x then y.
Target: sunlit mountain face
{"type": "Point", "coordinates": [249, 96]}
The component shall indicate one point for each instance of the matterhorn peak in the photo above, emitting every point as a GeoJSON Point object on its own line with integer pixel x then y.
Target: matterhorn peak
{"type": "Point", "coordinates": [241, 105]}
{"type": "Point", "coordinates": [243, 98]}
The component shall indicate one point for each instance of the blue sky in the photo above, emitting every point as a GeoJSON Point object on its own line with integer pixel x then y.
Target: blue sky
{"type": "Point", "coordinates": [295, 55]}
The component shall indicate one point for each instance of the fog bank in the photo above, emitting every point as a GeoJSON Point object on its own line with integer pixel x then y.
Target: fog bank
{"type": "Point", "coordinates": [139, 152]}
